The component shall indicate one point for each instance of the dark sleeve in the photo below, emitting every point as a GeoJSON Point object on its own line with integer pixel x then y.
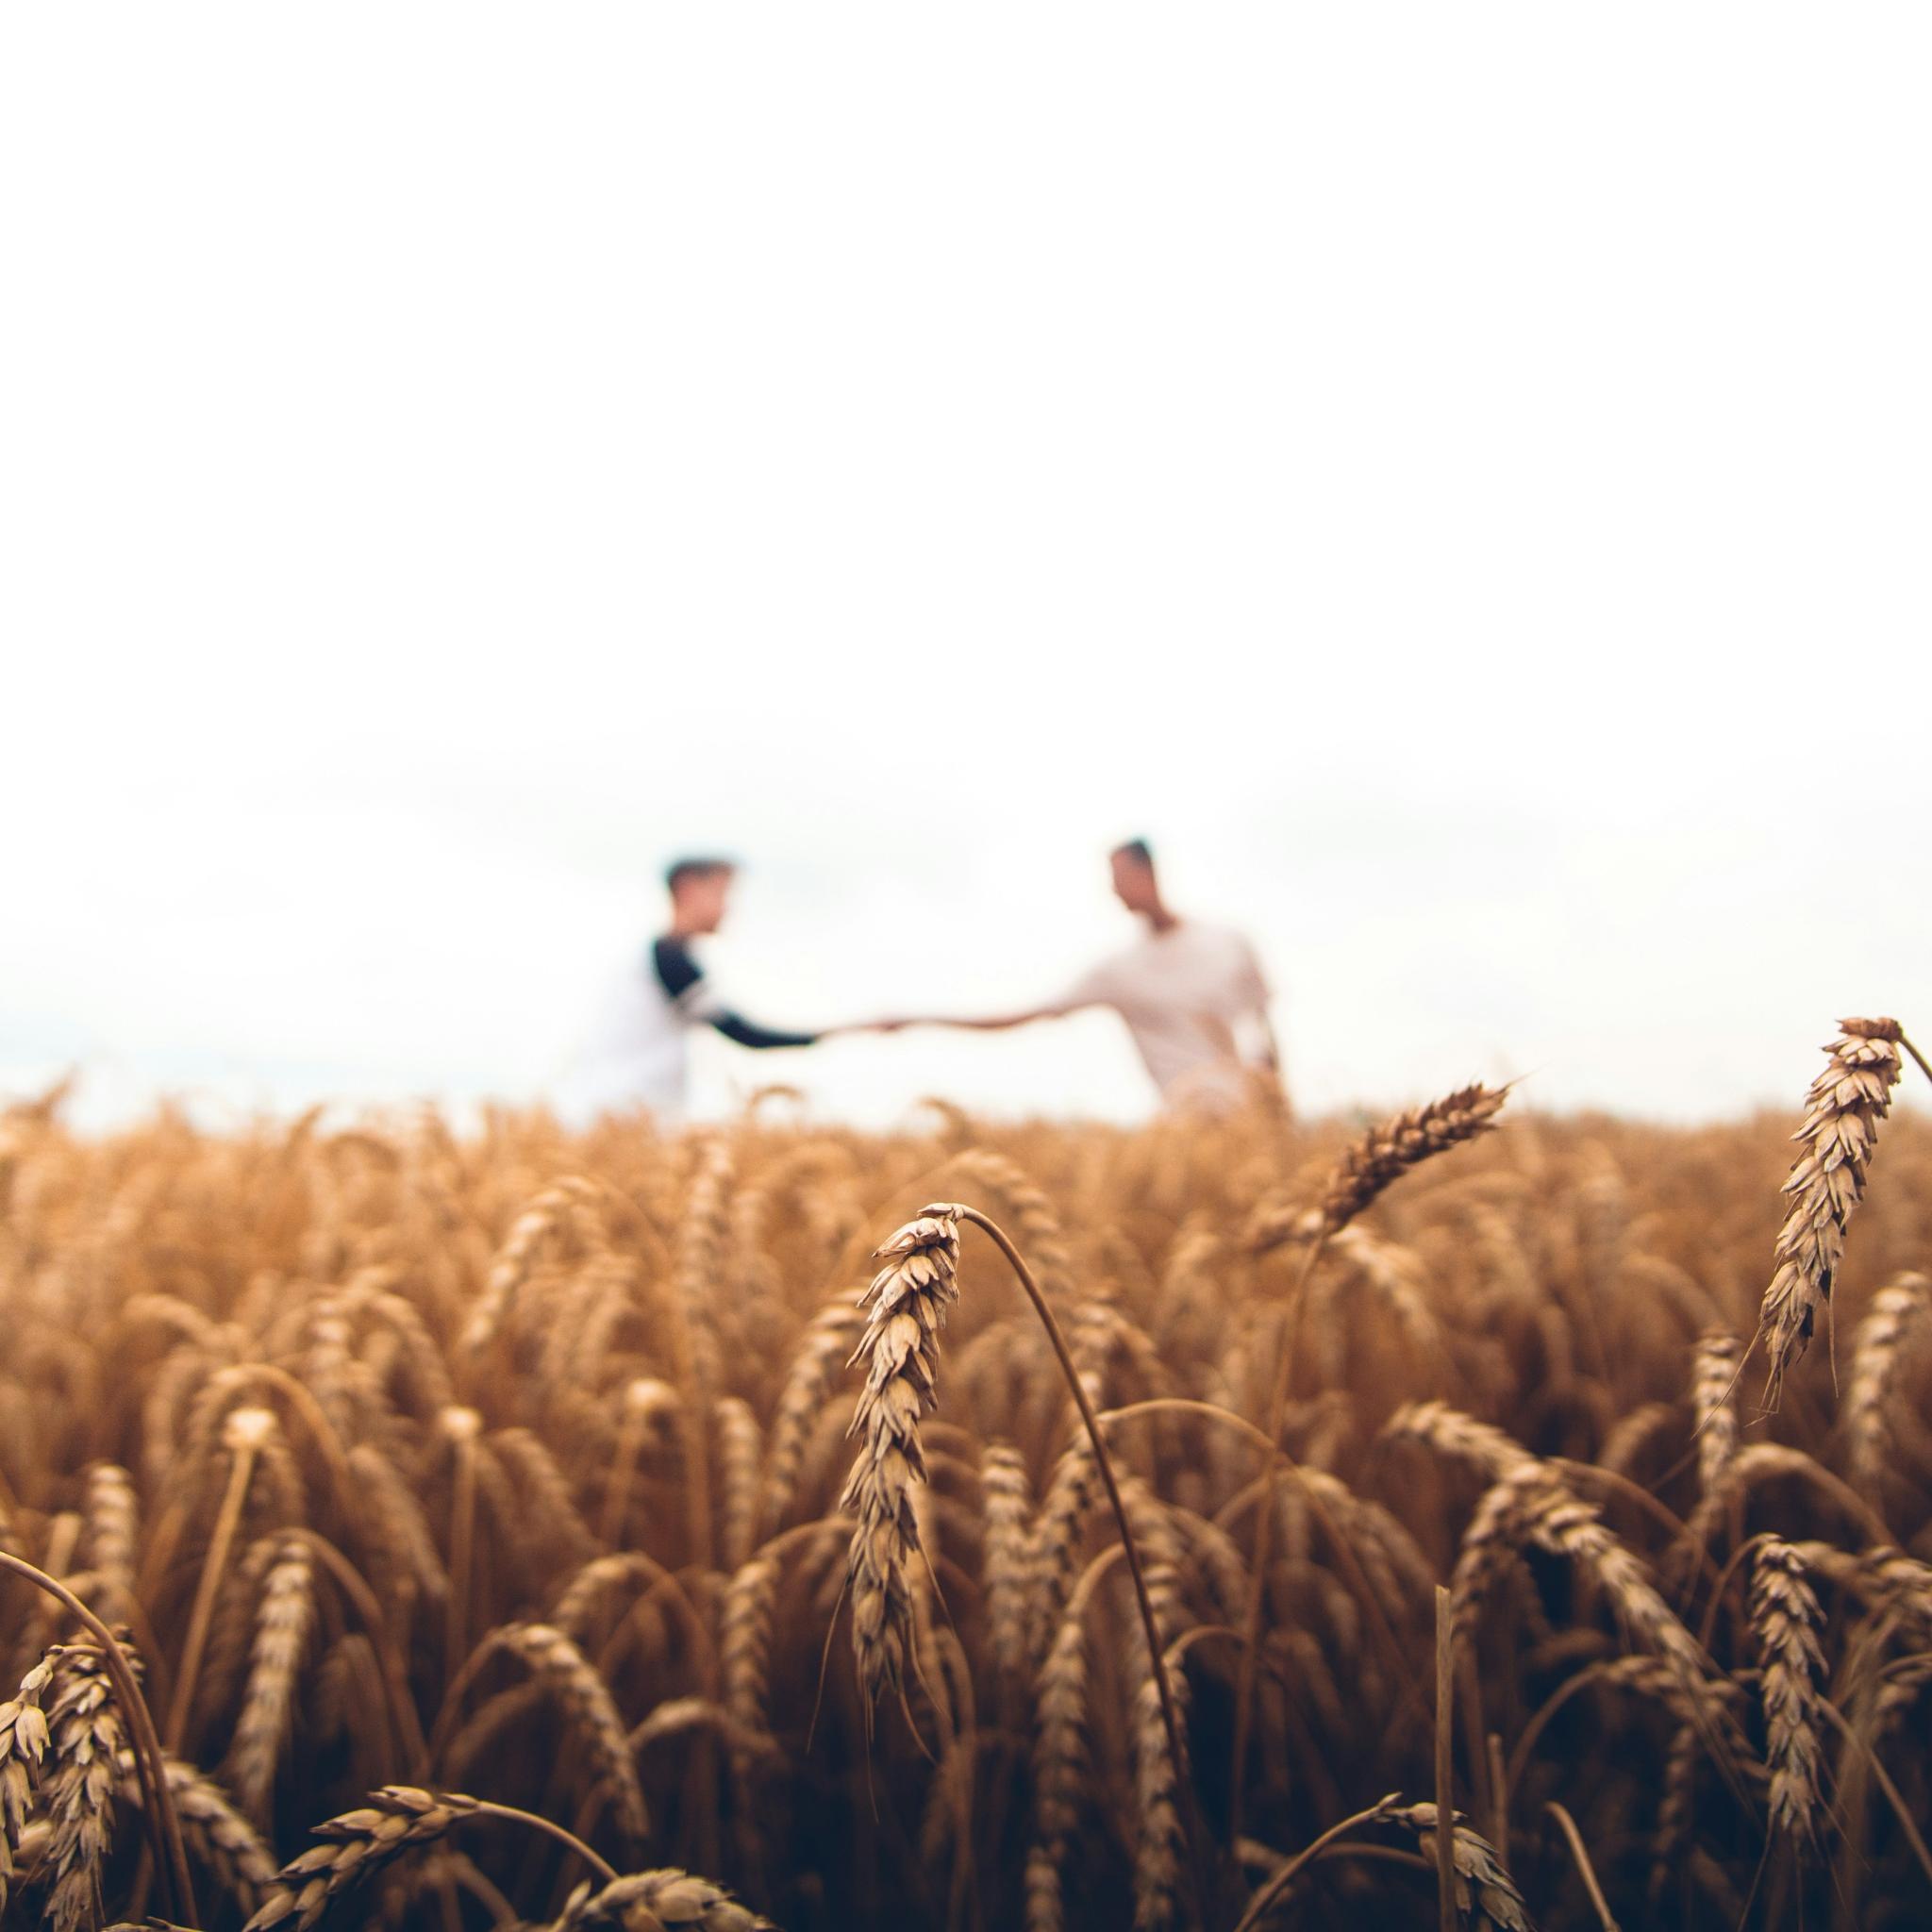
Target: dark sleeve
{"type": "Point", "coordinates": [676, 970]}
{"type": "Point", "coordinates": [678, 973]}
{"type": "Point", "coordinates": [734, 1026]}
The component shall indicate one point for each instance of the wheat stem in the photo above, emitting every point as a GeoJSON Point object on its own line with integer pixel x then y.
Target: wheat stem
{"type": "Point", "coordinates": [1924, 1067]}
{"type": "Point", "coordinates": [1276, 1889]}
{"type": "Point", "coordinates": [213, 1565]}
{"type": "Point", "coordinates": [569, 1840]}
{"type": "Point", "coordinates": [1446, 1807]}
{"type": "Point", "coordinates": [1264, 1528]}
{"type": "Point", "coordinates": [1567, 1825]}
{"type": "Point", "coordinates": [1103, 1462]}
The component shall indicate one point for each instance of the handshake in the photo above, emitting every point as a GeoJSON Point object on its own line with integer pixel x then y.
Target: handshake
{"type": "Point", "coordinates": [885, 1025]}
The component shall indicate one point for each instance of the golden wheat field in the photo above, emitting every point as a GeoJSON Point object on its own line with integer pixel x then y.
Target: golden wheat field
{"type": "Point", "coordinates": [520, 1528]}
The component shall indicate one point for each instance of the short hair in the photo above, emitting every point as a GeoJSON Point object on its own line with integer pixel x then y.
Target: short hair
{"type": "Point", "coordinates": [1137, 849]}
{"type": "Point", "coordinates": [680, 869]}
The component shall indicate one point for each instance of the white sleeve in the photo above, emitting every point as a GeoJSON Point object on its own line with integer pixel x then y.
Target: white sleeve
{"type": "Point", "coordinates": [1099, 986]}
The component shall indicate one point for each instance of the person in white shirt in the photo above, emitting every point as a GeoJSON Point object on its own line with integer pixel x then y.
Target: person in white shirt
{"type": "Point", "coordinates": [1193, 998]}
{"type": "Point", "coordinates": [638, 1055]}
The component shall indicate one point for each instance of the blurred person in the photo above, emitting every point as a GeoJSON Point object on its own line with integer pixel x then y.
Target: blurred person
{"type": "Point", "coordinates": [638, 1054]}
{"type": "Point", "coordinates": [1193, 995]}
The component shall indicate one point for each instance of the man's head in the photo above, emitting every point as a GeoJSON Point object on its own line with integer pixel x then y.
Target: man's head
{"type": "Point", "coordinates": [699, 890]}
{"type": "Point", "coordinates": [1134, 883]}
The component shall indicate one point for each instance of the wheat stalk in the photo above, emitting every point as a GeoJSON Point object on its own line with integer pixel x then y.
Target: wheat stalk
{"type": "Point", "coordinates": [23, 1745]}
{"type": "Point", "coordinates": [702, 1235]}
{"type": "Point", "coordinates": [246, 1435]}
{"type": "Point", "coordinates": [85, 1737]}
{"type": "Point", "coordinates": [283, 1624]}
{"type": "Point", "coordinates": [586, 1700]}
{"type": "Point", "coordinates": [1059, 1752]}
{"type": "Point", "coordinates": [1005, 1500]}
{"type": "Point", "coordinates": [1784, 1619]}
{"type": "Point", "coordinates": [113, 1518]}
{"type": "Point", "coordinates": [908, 1301]}
{"type": "Point", "coordinates": [1885, 1578]}
{"type": "Point", "coordinates": [1053, 1551]}
{"type": "Point", "coordinates": [1388, 1151]}
{"type": "Point", "coordinates": [220, 1837]}
{"type": "Point", "coordinates": [573, 1202]}
{"type": "Point", "coordinates": [122, 1671]}
{"type": "Point", "coordinates": [1896, 1312]}
{"type": "Point", "coordinates": [745, 1619]}
{"type": "Point", "coordinates": [668, 1899]}
{"type": "Point", "coordinates": [808, 1379]}
{"type": "Point", "coordinates": [1161, 1847]}
{"type": "Point", "coordinates": [1485, 1892]}
{"type": "Point", "coordinates": [740, 1452]}
{"type": "Point", "coordinates": [361, 1843]}
{"type": "Point", "coordinates": [1503, 1519]}
{"type": "Point", "coordinates": [1713, 1377]}
{"type": "Point", "coordinates": [1839, 1134]}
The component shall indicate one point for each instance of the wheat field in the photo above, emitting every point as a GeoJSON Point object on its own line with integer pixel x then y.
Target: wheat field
{"type": "Point", "coordinates": [520, 1528]}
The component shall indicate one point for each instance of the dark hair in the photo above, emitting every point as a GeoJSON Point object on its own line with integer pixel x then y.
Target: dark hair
{"type": "Point", "coordinates": [681, 869]}
{"type": "Point", "coordinates": [1137, 849]}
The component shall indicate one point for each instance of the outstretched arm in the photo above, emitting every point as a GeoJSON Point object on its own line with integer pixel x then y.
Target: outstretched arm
{"type": "Point", "coordinates": [989, 1023]}
{"type": "Point", "coordinates": [685, 986]}
{"type": "Point", "coordinates": [746, 1033]}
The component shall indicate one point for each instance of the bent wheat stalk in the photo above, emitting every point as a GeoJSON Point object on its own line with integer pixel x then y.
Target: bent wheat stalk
{"type": "Point", "coordinates": [1150, 1626]}
{"type": "Point", "coordinates": [1370, 1165]}
{"type": "Point", "coordinates": [157, 1805]}
{"type": "Point", "coordinates": [909, 1298]}
{"type": "Point", "coordinates": [359, 1842]}
{"type": "Point", "coordinates": [1275, 1889]}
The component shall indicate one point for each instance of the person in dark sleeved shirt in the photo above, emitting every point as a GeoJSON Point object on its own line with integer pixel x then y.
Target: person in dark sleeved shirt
{"type": "Point", "coordinates": [639, 1055]}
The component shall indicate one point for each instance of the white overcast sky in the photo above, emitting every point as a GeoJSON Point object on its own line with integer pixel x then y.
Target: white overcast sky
{"type": "Point", "coordinates": [1457, 479]}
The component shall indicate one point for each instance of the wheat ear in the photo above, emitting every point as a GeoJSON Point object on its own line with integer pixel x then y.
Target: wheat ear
{"type": "Point", "coordinates": [223, 1842]}
{"type": "Point", "coordinates": [1839, 1134]}
{"type": "Point", "coordinates": [282, 1628]}
{"type": "Point", "coordinates": [1784, 1619]}
{"type": "Point", "coordinates": [23, 1745]}
{"type": "Point", "coordinates": [1713, 1376]}
{"type": "Point", "coordinates": [908, 1301]}
{"type": "Point", "coordinates": [1003, 1500]}
{"type": "Point", "coordinates": [828, 1341]}
{"type": "Point", "coordinates": [1896, 1312]}
{"type": "Point", "coordinates": [1388, 1151]}
{"type": "Point", "coordinates": [1485, 1892]}
{"type": "Point", "coordinates": [586, 1703]}
{"type": "Point", "coordinates": [112, 1519]}
{"type": "Point", "coordinates": [669, 1899]}
{"type": "Point", "coordinates": [358, 1843]}
{"type": "Point", "coordinates": [86, 1739]}
{"type": "Point", "coordinates": [163, 1825]}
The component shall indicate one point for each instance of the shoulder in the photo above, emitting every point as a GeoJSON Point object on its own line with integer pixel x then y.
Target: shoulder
{"type": "Point", "coordinates": [1102, 982]}
{"type": "Point", "coordinates": [1223, 938]}
{"type": "Point", "coordinates": [675, 969]}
